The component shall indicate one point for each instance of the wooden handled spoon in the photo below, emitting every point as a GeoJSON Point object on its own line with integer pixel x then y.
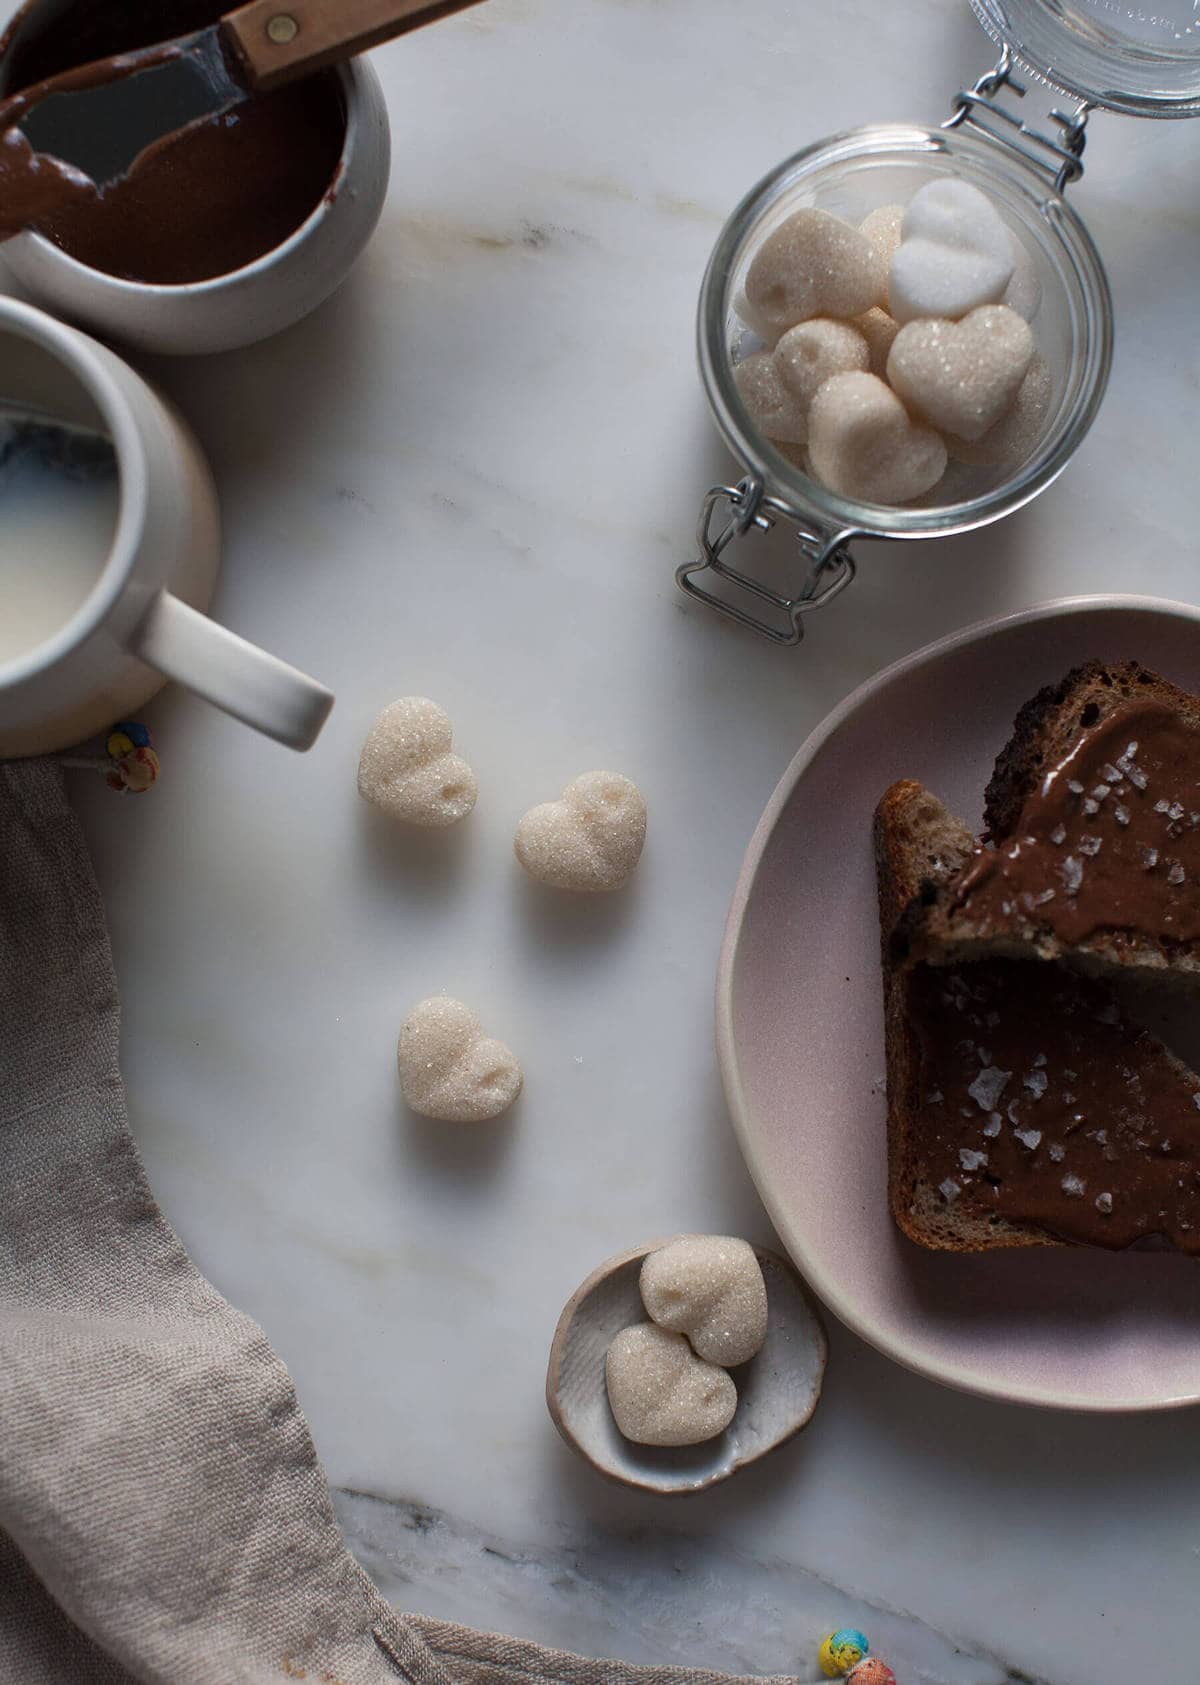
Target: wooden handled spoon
{"type": "Point", "coordinates": [82, 129]}
{"type": "Point", "coordinates": [277, 40]}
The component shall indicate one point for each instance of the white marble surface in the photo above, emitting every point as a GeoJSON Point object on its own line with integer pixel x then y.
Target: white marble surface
{"type": "Point", "coordinates": [471, 476]}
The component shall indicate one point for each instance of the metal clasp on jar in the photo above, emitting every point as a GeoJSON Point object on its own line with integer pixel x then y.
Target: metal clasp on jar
{"type": "Point", "coordinates": [1059, 156]}
{"type": "Point", "coordinates": [827, 566]}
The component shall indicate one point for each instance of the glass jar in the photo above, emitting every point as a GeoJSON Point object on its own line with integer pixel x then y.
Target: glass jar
{"type": "Point", "coordinates": [1105, 53]}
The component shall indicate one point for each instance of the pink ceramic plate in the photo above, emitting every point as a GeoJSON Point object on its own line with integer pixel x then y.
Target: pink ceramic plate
{"type": "Point", "coordinates": [800, 1037]}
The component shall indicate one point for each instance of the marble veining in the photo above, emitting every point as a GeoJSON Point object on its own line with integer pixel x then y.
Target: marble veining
{"type": "Point", "coordinates": [648, 1594]}
{"type": "Point", "coordinates": [470, 477]}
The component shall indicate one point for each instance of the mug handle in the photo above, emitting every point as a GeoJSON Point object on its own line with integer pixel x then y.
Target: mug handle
{"type": "Point", "coordinates": [264, 692]}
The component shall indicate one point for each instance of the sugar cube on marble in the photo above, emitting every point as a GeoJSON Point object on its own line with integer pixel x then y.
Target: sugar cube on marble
{"type": "Point", "coordinates": [590, 840]}
{"type": "Point", "coordinates": [711, 1289]}
{"type": "Point", "coordinates": [449, 1069]}
{"type": "Point", "coordinates": [408, 770]}
{"type": "Point", "coordinates": [661, 1393]}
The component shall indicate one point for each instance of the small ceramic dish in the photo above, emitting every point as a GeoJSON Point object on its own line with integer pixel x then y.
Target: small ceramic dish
{"type": "Point", "coordinates": [800, 1037]}
{"type": "Point", "coordinates": [777, 1390]}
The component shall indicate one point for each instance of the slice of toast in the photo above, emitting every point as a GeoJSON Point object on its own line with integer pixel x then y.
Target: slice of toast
{"type": "Point", "coordinates": [1092, 845]}
{"type": "Point", "coordinates": [1024, 1109]}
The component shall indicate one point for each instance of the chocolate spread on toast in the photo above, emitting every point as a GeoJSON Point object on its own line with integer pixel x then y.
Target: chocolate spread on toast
{"type": "Point", "coordinates": [1109, 841]}
{"type": "Point", "coordinates": [1041, 1103]}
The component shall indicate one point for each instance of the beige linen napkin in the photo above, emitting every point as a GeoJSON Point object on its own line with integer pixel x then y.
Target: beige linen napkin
{"type": "Point", "coordinates": [167, 1519]}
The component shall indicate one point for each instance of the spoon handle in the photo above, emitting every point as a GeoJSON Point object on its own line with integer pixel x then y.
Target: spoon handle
{"type": "Point", "coordinates": [278, 40]}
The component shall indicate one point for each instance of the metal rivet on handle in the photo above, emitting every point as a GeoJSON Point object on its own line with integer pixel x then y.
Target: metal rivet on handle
{"type": "Point", "coordinates": [282, 28]}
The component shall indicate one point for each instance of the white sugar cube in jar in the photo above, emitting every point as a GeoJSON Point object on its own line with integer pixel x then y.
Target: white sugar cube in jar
{"type": "Point", "coordinates": [816, 240]}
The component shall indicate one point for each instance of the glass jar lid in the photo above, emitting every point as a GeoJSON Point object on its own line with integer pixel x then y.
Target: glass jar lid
{"type": "Point", "coordinates": [1140, 59]}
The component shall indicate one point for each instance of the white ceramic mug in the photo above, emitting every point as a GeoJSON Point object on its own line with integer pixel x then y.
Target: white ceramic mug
{"type": "Point", "coordinates": [142, 621]}
{"type": "Point", "coordinates": [248, 304]}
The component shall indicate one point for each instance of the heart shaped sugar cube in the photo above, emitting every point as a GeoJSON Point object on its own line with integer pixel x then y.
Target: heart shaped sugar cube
{"type": "Point", "coordinates": [813, 265]}
{"type": "Point", "coordinates": [955, 253]}
{"type": "Point", "coordinates": [449, 1069]}
{"type": "Point", "coordinates": [882, 230]}
{"type": "Point", "coordinates": [590, 840]}
{"type": "Point", "coordinates": [711, 1288]}
{"type": "Point", "coordinates": [808, 354]}
{"type": "Point", "coordinates": [962, 376]}
{"type": "Point", "coordinates": [407, 769]}
{"type": "Point", "coordinates": [1012, 439]}
{"type": "Point", "coordinates": [879, 330]}
{"type": "Point", "coordinates": [661, 1393]}
{"type": "Point", "coordinates": [863, 444]}
{"type": "Point", "coordinates": [774, 410]}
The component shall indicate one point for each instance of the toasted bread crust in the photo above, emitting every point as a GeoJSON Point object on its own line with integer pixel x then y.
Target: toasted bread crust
{"type": "Point", "coordinates": [919, 846]}
{"type": "Point", "coordinates": [1048, 723]}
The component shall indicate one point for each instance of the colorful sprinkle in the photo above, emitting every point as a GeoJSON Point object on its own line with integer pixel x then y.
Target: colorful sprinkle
{"type": "Point", "coordinates": [134, 763]}
{"type": "Point", "coordinates": [841, 1650]}
{"type": "Point", "coordinates": [126, 736]}
{"type": "Point", "coordinates": [871, 1671]}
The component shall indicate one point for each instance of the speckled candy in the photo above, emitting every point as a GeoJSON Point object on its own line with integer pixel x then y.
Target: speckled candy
{"type": "Point", "coordinates": [135, 767]}
{"type": "Point", "coordinates": [842, 1650]}
{"type": "Point", "coordinates": [813, 265]}
{"type": "Point", "coordinates": [871, 1671]}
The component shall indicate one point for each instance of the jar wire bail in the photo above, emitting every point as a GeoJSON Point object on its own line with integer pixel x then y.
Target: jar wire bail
{"type": "Point", "coordinates": [1060, 157]}
{"type": "Point", "coordinates": [826, 558]}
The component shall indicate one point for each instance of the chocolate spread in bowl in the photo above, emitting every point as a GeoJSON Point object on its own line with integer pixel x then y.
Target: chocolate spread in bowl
{"type": "Point", "coordinates": [223, 192]}
{"type": "Point", "coordinates": [1040, 1102]}
{"type": "Point", "coordinates": [1109, 841]}
{"type": "Point", "coordinates": [32, 186]}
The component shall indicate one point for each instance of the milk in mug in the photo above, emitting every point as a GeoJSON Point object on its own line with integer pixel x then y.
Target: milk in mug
{"type": "Point", "coordinates": [59, 495]}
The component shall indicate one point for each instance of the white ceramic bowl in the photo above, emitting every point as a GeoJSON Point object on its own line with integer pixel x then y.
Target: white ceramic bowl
{"type": "Point", "coordinates": [250, 303]}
